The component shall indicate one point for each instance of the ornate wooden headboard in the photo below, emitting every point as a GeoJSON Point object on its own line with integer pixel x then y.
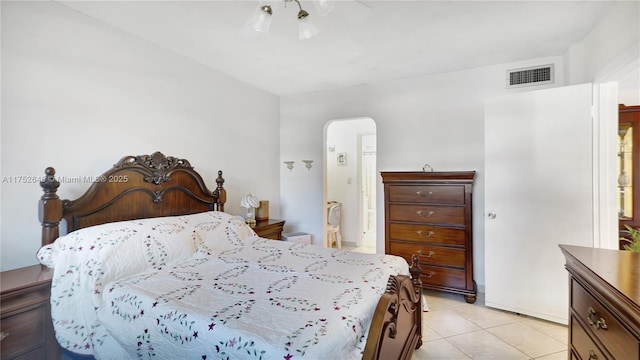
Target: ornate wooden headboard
{"type": "Point", "coordinates": [135, 187]}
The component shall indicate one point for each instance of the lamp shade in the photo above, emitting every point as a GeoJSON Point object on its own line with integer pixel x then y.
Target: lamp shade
{"type": "Point", "coordinates": [306, 29]}
{"type": "Point", "coordinates": [249, 201]}
{"type": "Point", "coordinates": [258, 24]}
{"type": "Point", "coordinates": [323, 7]}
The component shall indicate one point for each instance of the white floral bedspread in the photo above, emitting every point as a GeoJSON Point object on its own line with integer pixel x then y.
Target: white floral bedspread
{"type": "Point", "coordinates": [204, 286]}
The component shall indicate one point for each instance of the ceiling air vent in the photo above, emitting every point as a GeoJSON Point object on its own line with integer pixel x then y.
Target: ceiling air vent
{"type": "Point", "coordinates": [531, 76]}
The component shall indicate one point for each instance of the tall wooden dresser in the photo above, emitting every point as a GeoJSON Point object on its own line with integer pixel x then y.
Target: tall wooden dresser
{"type": "Point", "coordinates": [604, 303]}
{"type": "Point", "coordinates": [429, 214]}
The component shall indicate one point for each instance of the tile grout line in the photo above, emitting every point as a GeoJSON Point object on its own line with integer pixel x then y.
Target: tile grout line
{"type": "Point", "coordinates": [517, 319]}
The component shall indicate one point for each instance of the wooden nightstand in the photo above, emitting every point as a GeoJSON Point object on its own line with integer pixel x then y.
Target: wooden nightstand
{"type": "Point", "coordinates": [25, 314]}
{"type": "Point", "coordinates": [270, 228]}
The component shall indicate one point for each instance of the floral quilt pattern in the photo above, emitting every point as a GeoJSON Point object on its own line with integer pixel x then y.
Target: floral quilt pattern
{"type": "Point", "coordinates": [204, 286]}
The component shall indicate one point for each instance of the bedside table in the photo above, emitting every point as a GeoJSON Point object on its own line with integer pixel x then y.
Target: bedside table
{"type": "Point", "coordinates": [270, 228]}
{"type": "Point", "coordinates": [25, 314]}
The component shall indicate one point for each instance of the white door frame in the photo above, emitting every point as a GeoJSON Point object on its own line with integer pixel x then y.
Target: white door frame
{"type": "Point", "coordinates": [605, 130]}
{"type": "Point", "coordinates": [363, 213]}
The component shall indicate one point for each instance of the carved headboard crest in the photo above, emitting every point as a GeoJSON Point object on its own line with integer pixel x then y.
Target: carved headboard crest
{"type": "Point", "coordinates": [157, 164]}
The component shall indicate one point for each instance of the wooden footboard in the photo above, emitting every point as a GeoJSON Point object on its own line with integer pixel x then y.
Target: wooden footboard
{"type": "Point", "coordinates": [396, 328]}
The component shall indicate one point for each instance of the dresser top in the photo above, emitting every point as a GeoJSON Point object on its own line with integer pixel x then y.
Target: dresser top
{"type": "Point", "coordinates": [18, 279]}
{"type": "Point", "coordinates": [620, 269]}
{"type": "Point", "coordinates": [427, 175]}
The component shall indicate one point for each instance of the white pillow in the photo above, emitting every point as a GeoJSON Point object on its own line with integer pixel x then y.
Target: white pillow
{"type": "Point", "coordinates": [114, 250]}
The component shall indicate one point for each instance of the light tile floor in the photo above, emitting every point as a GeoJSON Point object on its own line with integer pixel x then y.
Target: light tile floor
{"type": "Point", "coordinates": [452, 329]}
{"type": "Point", "coordinates": [455, 330]}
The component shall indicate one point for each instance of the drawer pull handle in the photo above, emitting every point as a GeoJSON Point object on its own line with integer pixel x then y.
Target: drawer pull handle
{"type": "Point", "coordinates": [427, 235]}
{"type": "Point", "coordinates": [3, 335]}
{"type": "Point", "coordinates": [596, 323]}
{"type": "Point", "coordinates": [430, 254]}
{"type": "Point", "coordinates": [592, 355]}
{"type": "Point", "coordinates": [419, 193]}
{"type": "Point", "coordinates": [430, 274]}
{"type": "Point", "coordinates": [428, 214]}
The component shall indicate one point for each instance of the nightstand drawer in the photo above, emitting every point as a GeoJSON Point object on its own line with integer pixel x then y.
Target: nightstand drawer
{"type": "Point", "coordinates": [600, 323]}
{"type": "Point", "coordinates": [272, 236]}
{"type": "Point", "coordinates": [427, 234]}
{"type": "Point", "coordinates": [427, 214]}
{"type": "Point", "coordinates": [438, 194]}
{"type": "Point", "coordinates": [432, 255]}
{"type": "Point", "coordinates": [19, 300]}
{"type": "Point", "coordinates": [26, 331]}
{"type": "Point", "coordinates": [39, 353]}
{"type": "Point", "coordinates": [582, 343]}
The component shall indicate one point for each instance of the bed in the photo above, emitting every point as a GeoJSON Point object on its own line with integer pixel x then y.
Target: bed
{"type": "Point", "coordinates": [150, 266]}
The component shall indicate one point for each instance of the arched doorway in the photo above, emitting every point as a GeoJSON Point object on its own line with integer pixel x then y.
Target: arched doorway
{"type": "Point", "coordinates": [350, 179]}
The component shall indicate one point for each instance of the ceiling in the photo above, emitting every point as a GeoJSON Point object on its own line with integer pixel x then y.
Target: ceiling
{"type": "Point", "coordinates": [359, 41]}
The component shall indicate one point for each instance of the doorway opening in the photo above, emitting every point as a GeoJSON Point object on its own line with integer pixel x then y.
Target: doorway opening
{"type": "Point", "coordinates": [350, 178]}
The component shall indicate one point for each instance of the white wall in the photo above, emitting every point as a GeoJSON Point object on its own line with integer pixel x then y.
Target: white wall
{"type": "Point", "coordinates": [437, 119]}
{"type": "Point", "coordinates": [610, 52]}
{"type": "Point", "coordinates": [434, 119]}
{"type": "Point", "coordinates": [78, 95]}
{"type": "Point", "coordinates": [614, 43]}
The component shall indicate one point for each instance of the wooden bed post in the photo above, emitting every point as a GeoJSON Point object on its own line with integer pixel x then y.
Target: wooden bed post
{"type": "Point", "coordinates": [220, 192]}
{"type": "Point", "coordinates": [416, 272]}
{"type": "Point", "coordinates": [50, 207]}
{"type": "Point", "coordinates": [396, 328]}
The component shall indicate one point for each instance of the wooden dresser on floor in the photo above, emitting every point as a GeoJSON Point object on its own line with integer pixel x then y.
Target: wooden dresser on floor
{"type": "Point", "coordinates": [429, 214]}
{"type": "Point", "coordinates": [25, 325]}
{"type": "Point", "coordinates": [604, 303]}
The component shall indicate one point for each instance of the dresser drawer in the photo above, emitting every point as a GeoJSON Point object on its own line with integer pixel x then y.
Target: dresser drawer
{"type": "Point", "coordinates": [427, 234]}
{"type": "Point", "coordinates": [438, 194]}
{"type": "Point", "coordinates": [447, 277]}
{"type": "Point", "coordinates": [272, 236]}
{"type": "Point", "coordinates": [582, 343]}
{"type": "Point", "coordinates": [39, 353]}
{"type": "Point", "coordinates": [17, 301]}
{"type": "Point", "coordinates": [26, 330]}
{"type": "Point", "coordinates": [427, 214]}
{"type": "Point", "coordinates": [433, 255]}
{"type": "Point", "coordinates": [620, 342]}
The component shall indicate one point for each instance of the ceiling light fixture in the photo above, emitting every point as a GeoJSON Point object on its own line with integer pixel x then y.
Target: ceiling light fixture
{"type": "Point", "coordinates": [260, 21]}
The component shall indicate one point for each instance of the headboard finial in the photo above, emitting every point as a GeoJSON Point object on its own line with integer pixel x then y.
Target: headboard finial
{"type": "Point", "coordinates": [220, 193]}
{"type": "Point", "coordinates": [49, 184]}
{"type": "Point", "coordinates": [219, 179]}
